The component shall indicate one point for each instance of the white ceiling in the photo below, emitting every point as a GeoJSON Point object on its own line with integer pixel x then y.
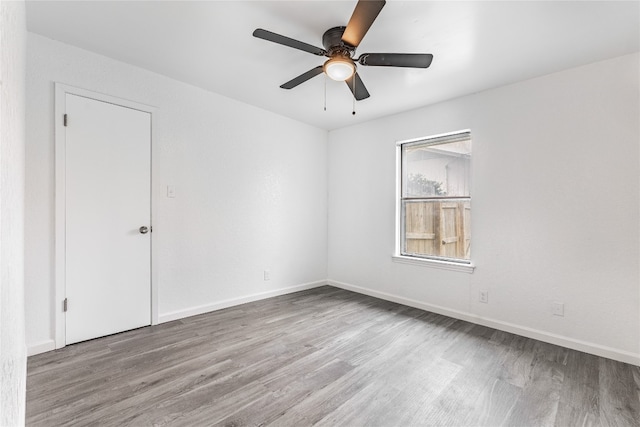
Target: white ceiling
{"type": "Point", "coordinates": [476, 46]}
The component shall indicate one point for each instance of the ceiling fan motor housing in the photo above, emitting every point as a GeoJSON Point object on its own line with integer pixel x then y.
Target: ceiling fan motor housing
{"type": "Point", "coordinates": [333, 44]}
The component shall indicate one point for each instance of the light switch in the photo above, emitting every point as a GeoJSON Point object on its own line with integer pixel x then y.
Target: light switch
{"type": "Point", "coordinates": [557, 308]}
{"type": "Point", "coordinates": [171, 191]}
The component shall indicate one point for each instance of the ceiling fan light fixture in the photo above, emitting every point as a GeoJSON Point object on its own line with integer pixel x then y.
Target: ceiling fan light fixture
{"type": "Point", "coordinates": [339, 68]}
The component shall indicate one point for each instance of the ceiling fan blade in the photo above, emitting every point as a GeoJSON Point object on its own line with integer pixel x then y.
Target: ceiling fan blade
{"type": "Point", "coordinates": [287, 41]}
{"type": "Point", "coordinates": [302, 78]}
{"type": "Point", "coordinates": [363, 15]}
{"type": "Point", "coordinates": [412, 60]}
{"type": "Point", "coordinates": [360, 92]}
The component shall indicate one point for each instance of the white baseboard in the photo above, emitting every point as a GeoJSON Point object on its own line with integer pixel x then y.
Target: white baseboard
{"type": "Point", "coordinates": [587, 347]}
{"type": "Point", "coordinates": [206, 308]}
{"type": "Point", "coordinates": [41, 347]}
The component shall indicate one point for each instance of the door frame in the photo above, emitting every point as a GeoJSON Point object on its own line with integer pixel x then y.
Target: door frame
{"type": "Point", "coordinates": [59, 294]}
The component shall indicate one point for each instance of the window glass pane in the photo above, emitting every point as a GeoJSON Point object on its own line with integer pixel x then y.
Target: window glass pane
{"type": "Point", "coordinates": [436, 170]}
{"type": "Point", "coordinates": [437, 228]}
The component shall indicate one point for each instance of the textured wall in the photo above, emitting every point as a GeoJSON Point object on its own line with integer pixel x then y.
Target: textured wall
{"type": "Point", "coordinates": [555, 207]}
{"type": "Point", "coordinates": [13, 356]}
{"type": "Point", "coordinates": [250, 188]}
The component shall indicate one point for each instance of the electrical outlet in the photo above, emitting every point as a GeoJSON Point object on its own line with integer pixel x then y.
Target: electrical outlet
{"type": "Point", "coordinates": [557, 308]}
{"type": "Point", "coordinates": [267, 275]}
{"type": "Point", "coordinates": [484, 297]}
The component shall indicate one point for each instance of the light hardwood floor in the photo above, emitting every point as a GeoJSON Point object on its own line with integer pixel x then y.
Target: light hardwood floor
{"type": "Point", "coordinates": [327, 357]}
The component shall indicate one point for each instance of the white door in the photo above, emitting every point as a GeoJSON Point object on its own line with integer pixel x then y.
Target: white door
{"type": "Point", "coordinates": [108, 200]}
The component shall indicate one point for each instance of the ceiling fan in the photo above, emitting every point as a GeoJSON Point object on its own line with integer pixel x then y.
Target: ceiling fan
{"type": "Point", "coordinates": [340, 44]}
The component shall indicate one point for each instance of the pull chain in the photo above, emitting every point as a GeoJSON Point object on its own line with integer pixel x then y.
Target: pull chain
{"type": "Point", "coordinates": [325, 92]}
{"type": "Point", "coordinates": [354, 95]}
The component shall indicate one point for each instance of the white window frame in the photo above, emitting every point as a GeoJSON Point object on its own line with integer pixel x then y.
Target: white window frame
{"type": "Point", "coordinates": [463, 266]}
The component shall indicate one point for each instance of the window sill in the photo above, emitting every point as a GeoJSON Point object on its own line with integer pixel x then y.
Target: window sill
{"type": "Point", "coordinates": [444, 265]}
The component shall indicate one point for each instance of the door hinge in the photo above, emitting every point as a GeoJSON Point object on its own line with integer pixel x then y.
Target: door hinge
{"type": "Point", "coordinates": [65, 120]}
{"type": "Point", "coordinates": [65, 304]}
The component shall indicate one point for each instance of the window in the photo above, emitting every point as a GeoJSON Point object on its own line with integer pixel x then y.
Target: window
{"type": "Point", "coordinates": [435, 198]}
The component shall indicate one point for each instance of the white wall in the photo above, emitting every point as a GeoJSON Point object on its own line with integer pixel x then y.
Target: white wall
{"type": "Point", "coordinates": [13, 354]}
{"type": "Point", "coordinates": [555, 205]}
{"type": "Point", "coordinates": [250, 190]}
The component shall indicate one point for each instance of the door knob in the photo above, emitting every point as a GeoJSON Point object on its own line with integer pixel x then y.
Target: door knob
{"type": "Point", "coordinates": [143, 230]}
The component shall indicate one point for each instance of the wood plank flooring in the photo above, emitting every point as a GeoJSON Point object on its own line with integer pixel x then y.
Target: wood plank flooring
{"type": "Point", "coordinates": [327, 357]}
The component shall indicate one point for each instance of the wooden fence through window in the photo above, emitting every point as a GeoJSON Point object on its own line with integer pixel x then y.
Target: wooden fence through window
{"type": "Point", "coordinates": [438, 228]}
